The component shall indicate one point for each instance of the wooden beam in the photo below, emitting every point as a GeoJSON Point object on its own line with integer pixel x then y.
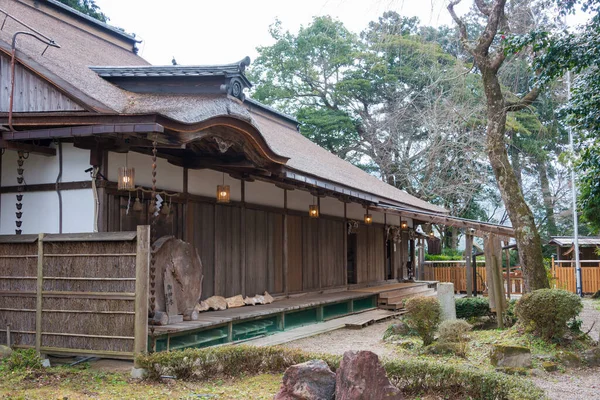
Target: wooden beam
{"type": "Point", "coordinates": [28, 148]}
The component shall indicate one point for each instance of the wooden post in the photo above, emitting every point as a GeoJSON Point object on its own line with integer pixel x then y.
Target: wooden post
{"type": "Point", "coordinates": [421, 274]}
{"type": "Point", "coordinates": [468, 270]}
{"type": "Point", "coordinates": [489, 274]}
{"type": "Point", "coordinates": [243, 239]}
{"type": "Point", "coordinates": [286, 289]}
{"type": "Point", "coordinates": [142, 267]}
{"type": "Point", "coordinates": [345, 257]}
{"type": "Point", "coordinates": [508, 283]}
{"type": "Point", "coordinates": [39, 288]}
{"type": "Point", "coordinates": [319, 269]}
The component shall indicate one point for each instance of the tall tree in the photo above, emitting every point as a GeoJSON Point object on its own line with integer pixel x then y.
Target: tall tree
{"type": "Point", "coordinates": [489, 54]}
{"type": "Point", "coordinates": [87, 7]}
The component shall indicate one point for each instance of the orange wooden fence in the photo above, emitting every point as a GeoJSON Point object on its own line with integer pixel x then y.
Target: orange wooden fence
{"type": "Point", "coordinates": [456, 274]}
{"type": "Point", "coordinates": [564, 277]}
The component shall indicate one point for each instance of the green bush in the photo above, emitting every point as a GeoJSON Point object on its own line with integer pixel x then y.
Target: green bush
{"type": "Point", "coordinates": [20, 360]}
{"type": "Point", "coordinates": [454, 331]}
{"type": "Point", "coordinates": [411, 376]}
{"type": "Point", "coordinates": [469, 307]}
{"type": "Point", "coordinates": [423, 315]}
{"type": "Point", "coordinates": [545, 312]}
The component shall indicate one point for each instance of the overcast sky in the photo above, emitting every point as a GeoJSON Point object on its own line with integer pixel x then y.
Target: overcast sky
{"type": "Point", "coordinates": [212, 32]}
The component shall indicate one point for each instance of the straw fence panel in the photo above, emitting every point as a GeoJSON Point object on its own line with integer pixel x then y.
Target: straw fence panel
{"type": "Point", "coordinates": [88, 302]}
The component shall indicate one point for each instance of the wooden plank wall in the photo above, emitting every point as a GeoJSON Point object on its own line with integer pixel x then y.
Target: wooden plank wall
{"type": "Point", "coordinates": [316, 253]}
{"type": "Point", "coordinates": [31, 92]}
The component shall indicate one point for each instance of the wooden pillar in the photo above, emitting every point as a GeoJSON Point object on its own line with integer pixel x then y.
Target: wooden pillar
{"type": "Point", "coordinates": [142, 267]}
{"type": "Point", "coordinates": [243, 239]}
{"type": "Point", "coordinates": [345, 257]}
{"type": "Point", "coordinates": [468, 266]}
{"type": "Point", "coordinates": [217, 271]}
{"type": "Point", "coordinates": [319, 269]}
{"type": "Point", "coordinates": [285, 242]}
{"type": "Point", "coordinates": [38, 293]}
{"type": "Point", "coordinates": [420, 275]}
{"type": "Point", "coordinates": [185, 231]}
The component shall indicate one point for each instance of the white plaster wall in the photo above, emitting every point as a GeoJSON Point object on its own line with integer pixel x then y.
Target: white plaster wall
{"type": "Point", "coordinates": [168, 176]}
{"type": "Point", "coordinates": [355, 211]}
{"type": "Point", "coordinates": [78, 211]}
{"type": "Point", "coordinates": [40, 212]}
{"type": "Point", "coordinates": [203, 182]}
{"type": "Point", "coordinates": [332, 206]}
{"type": "Point", "coordinates": [42, 169]}
{"type": "Point", "coordinates": [393, 220]}
{"type": "Point", "coordinates": [264, 193]}
{"type": "Point", "coordinates": [300, 200]}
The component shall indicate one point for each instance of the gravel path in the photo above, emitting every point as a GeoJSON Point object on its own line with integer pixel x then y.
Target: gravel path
{"type": "Point", "coordinates": [589, 316]}
{"type": "Point", "coordinates": [342, 340]}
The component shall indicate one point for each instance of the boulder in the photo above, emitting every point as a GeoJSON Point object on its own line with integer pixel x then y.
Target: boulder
{"type": "Point", "coordinates": [569, 359]}
{"type": "Point", "coordinates": [441, 348]}
{"type": "Point", "coordinates": [312, 380]}
{"type": "Point", "coordinates": [591, 357]}
{"type": "Point", "coordinates": [400, 328]}
{"type": "Point", "coordinates": [549, 366]}
{"type": "Point", "coordinates": [5, 351]}
{"type": "Point", "coordinates": [235, 301]}
{"type": "Point", "coordinates": [503, 356]}
{"type": "Point", "coordinates": [216, 303]}
{"type": "Point", "coordinates": [178, 263]}
{"type": "Point", "coordinates": [362, 377]}
{"type": "Point", "coordinates": [268, 298]}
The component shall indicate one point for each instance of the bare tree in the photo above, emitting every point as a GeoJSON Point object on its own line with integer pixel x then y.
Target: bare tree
{"type": "Point", "coordinates": [489, 59]}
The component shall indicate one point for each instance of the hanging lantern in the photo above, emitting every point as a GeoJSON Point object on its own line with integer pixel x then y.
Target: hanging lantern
{"type": "Point", "coordinates": [404, 225]}
{"type": "Point", "coordinates": [368, 217]}
{"type": "Point", "coordinates": [126, 178]}
{"type": "Point", "coordinates": [313, 211]}
{"type": "Point", "coordinates": [431, 234]}
{"type": "Point", "coordinates": [223, 192]}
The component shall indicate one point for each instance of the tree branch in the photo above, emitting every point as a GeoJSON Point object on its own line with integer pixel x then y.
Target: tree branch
{"type": "Point", "coordinates": [525, 101]}
{"type": "Point", "coordinates": [483, 8]}
{"type": "Point", "coordinates": [464, 37]}
{"type": "Point", "coordinates": [496, 15]}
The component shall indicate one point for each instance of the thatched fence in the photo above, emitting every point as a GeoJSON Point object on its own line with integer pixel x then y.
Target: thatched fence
{"type": "Point", "coordinates": [75, 293]}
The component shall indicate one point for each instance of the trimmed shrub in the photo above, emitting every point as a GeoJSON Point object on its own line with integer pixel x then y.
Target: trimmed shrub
{"type": "Point", "coordinates": [423, 315]}
{"type": "Point", "coordinates": [26, 359]}
{"type": "Point", "coordinates": [411, 376]}
{"type": "Point", "coordinates": [472, 307]}
{"type": "Point", "coordinates": [545, 312]}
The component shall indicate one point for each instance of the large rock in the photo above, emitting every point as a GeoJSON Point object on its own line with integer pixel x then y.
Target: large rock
{"type": "Point", "coordinates": [5, 351]}
{"type": "Point", "coordinates": [312, 380]}
{"type": "Point", "coordinates": [362, 377]}
{"type": "Point", "coordinates": [503, 356]}
{"type": "Point", "coordinates": [177, 265]}
{"type": "Point", "coordinates": [216, 303]}
{"type": "Point", "coordinates": [591, 357]}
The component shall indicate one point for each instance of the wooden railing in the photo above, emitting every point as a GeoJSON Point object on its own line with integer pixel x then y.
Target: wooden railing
{"type": "Point", "coordinates": [563, 272]}
{"type": "Point", "coordinates": [455, 272]}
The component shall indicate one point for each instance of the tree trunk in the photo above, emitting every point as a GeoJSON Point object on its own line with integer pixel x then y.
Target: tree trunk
{"type": "Point", "coordinates": [527, 236]}
{"type": "Point", "coordinates": [547, 198]}
{"type": "Point", "coordinates": [516, 164]}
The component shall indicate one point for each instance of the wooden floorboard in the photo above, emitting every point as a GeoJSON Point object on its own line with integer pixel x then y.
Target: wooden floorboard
{"type": "Point", "coordinates": [386, 288]}
{"type": "Point", "coordinates": [316, 329]}
{"type": "Point", "coordinates": [215, 318]}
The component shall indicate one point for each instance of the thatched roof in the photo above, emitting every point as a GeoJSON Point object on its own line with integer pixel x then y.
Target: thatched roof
{"type": "Point", "coordinates": [69, 68]}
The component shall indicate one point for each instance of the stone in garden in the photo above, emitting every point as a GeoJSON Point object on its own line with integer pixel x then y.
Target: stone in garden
{"type": "Point", "coordinates": [569, 359]}
{"type": "Point", "coordinates": [202, 306]}
{"type": "Point", "coordinates": [549, 366]}
{"type": "Point", "coordinates": [362, 377]}
{"type": "Point", "coordinates": [216, 303]}
{"type": "Point", "coordinates": [5, 352]}
{"type": "Point", "coordinates": [400, 328]}
{"type": "Point", "coordinates": [503, 356]}
{"type": "Point", "coordinates": [591, 357]}
{"type": "Point", "coordinates": [441, 348]}
{"type": "Point", "coordinates": [235, 301]}
{"type": "Point", "coordinates": [312, 380]}
{"type": "Point", "coordinates": [268, 298]}
{"type": "Point", "coordinates": [445, 295]}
